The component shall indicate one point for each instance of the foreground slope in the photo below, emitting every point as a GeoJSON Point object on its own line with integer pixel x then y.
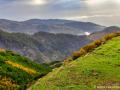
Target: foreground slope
{"type": "Point", "coordinates": [98, 68]}
{"type": "Point", "coordinates": [17, 71]}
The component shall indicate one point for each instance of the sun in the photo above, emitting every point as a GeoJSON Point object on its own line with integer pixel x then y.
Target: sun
{"type": "Point", "coordinates": [38, 2]}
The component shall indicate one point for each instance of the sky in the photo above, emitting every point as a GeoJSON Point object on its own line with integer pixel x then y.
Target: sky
{"type": "Point", "coordinates": [104, 12]}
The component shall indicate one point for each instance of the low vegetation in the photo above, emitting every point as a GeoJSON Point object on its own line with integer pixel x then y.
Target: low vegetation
{"type": "Point", "coordinates": [88, 48]}
{"type": "Point", "coordinates": [16, 71]}
{"type": "Point", "coordinates": [99, 68]}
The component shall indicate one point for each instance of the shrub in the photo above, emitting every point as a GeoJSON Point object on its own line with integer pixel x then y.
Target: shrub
{"type": "Point", "coordinates": [98, 42]}
{"type": "Point", "coordinates": [7, 84]}
{"type": "Point", "coordinates": [77, 54]}
{"type": "Point", "coordinates": [109, 36]}
{"type": "Point", "coordinates": [89, 47]}
{"type": "Point", "coordinates": [66, 61]}
{"type": "Point", "coordinates": [2, 50]}
{"type": "Point", "coordinates": [92, 46]}
{"type": "Point", "coordinates": [117, 33]}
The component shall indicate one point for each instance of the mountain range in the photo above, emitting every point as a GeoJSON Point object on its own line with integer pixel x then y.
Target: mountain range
{"type": "Point", "coordinates": [42, 46]}
{"type": "Point", "coordinates": [51, 25]}
{"type": "Point", "coordinates": [51, 44]}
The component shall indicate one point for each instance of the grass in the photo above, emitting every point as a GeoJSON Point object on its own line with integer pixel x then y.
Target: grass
{"type": "Point", "coordinates": [100, 67]}
{"type": "Point", "coordinates": [17, 71]}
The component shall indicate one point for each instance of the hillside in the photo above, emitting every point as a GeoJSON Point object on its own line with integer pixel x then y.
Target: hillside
{"type": "Point", "coordinates": [46, 47]}
{"type": "Point", "coordinates": [97, 35]}
{"type": "Point", "coordinates": [16, 71]}
{"type": "Point", "coordinates": [99, 68]}
{"type": "Point", "coordinates": [42, 47]}
{"type": "Point", "coordinates": [51, 25]}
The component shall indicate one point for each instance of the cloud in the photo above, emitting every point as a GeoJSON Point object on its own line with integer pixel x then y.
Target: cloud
{"type": "Point", "coordinates": [85, 10]}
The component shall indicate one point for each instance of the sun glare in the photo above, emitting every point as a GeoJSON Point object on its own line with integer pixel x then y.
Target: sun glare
{"type": "Point", "coordinates": [38, 2]}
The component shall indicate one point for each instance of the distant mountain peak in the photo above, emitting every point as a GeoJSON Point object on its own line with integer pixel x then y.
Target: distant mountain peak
{"type": "Point", "coordinates": [112, 28]}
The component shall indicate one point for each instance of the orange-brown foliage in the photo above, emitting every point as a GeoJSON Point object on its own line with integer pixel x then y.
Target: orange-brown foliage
{"type": "Point", "coordinates": [89, 47]}
{"type": "Point", "coordinates": [7, 84]}
{"type": "Point", "coordinates": [2, 50]}
{"type": "Point", "coordinates": [84, 50]}
{"type": "Point", "coordinates": [79, 53]}
{"type": "Point", "coordinates": [98, 42]}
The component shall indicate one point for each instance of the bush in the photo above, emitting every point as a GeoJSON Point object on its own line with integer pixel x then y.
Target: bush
{"type": "Point", "coordinates": [77, 54]}
{"type": "Point", "coordinates": [92, 46]}
{"type": "Point", "coordinates": [109, 36]}
{"type": "Point", "coordinates": [98, 42]}
{"type": "Point", "coordinates": [7, 84]}
{"type": "Point", "coordinates": [66, 61]}
{"type": "Point", "coordinates": [117, 33]}
{"type": "Point", "coordinates": [89, 47]}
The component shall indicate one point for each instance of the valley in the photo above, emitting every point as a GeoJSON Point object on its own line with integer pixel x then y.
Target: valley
{"type": "Point", "coordinates": [46, 47]}
{"type": "Point", "coordinates": [59, 45]}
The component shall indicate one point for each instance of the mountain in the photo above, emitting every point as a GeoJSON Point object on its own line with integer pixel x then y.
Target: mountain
{"type": "Point", "coordinates": [17, 71]}
{"type": "Point", "coordinates": [51, 25]}
{"type": "Point", "coordinates": [42, 46]}
{"type": "Point", "coordinates": [98, 69]}
{"type": "Point", "coordinates": [47, 47]}
{"type": "Point", "coordinates": [107, 30]}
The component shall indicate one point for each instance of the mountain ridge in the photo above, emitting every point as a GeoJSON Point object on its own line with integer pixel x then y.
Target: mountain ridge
{"type": "Point", "coordinates": [47, 47]}
{"type": "Point", "coordinates": [49, 25]}
{"type": "Point", "coordinates": [42, 47]}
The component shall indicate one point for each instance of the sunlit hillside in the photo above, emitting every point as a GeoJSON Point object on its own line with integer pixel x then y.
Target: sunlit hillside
{"type": "Point", "coordinates": [99, 68]}
{"type": "Point", "coordinates": [17, 72]}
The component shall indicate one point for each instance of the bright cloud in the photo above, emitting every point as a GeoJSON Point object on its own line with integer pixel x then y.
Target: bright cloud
{"type": "Point", "coordinates": [38, 2]}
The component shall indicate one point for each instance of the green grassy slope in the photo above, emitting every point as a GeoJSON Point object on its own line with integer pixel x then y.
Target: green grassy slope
{"type": "Point", "coordinates": [98, 68]}
{"type": "Point", "coordinates": [17, 71]}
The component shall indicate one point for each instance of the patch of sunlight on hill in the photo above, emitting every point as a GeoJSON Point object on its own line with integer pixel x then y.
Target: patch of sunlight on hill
{"type": "Point", "coordinates": [28, 70]}
{"type": "Point", "coordinates": [98, 68]}
{"type": "Point", "coordinates": [17, 72]}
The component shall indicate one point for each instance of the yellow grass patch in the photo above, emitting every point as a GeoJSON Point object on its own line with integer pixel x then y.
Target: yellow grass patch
{"type": "Point", "coordinates": [7, 84]}
{"type": "Point", "coordinates": [28, 70]}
